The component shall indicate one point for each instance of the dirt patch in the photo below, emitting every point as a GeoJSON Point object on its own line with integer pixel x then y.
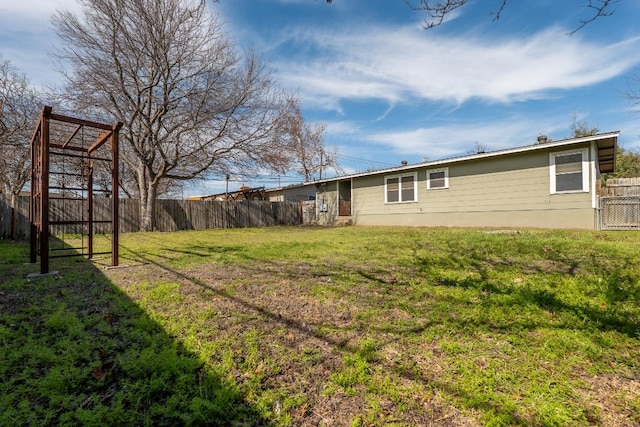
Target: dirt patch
{"type": "Point", "coordinates": [615, 399]}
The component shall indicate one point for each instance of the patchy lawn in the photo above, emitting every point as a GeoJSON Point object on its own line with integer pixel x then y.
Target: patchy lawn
{"type": "Point", "coordinates": [328, 326]}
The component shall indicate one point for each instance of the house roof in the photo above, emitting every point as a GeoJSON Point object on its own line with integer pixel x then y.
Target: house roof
{"type": "Point", "coordinates": [243, 191]}
{"type": "Point", "coordinates": [605, 143]}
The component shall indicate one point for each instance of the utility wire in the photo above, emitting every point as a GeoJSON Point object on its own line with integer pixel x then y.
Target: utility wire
{"type": "Point", "coordinates": [357, 159]}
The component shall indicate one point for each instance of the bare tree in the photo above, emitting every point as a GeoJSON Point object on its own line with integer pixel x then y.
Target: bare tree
{"type": "Point", "coordinates": [306, 153]}
{"type": "Point", "coordinates": [19, 107]}
{"type": "Point", "coordinates": [189, 102]}
{"type": "Point", "coordinates": [580, 128]}
{"type": "Point", "coordinates": [633, 91]}
{"type": "Point", "coordinates": [480, 147]}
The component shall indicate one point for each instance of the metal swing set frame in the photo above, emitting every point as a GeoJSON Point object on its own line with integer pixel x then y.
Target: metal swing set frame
{"type": "Point", "coordinates": [56, 139]}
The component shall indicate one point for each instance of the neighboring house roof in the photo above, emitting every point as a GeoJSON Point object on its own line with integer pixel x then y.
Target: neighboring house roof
{"type": "Point", "coordinates": [244, 193]}
{"type": "Point", "coordinates": [606, 146]}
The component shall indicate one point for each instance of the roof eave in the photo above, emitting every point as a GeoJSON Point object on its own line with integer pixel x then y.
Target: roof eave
{"type": "Point", "coordinates": [607, 149]}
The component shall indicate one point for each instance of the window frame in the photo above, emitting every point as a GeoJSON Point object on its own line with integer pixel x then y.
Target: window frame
{"type": "Point", "coordinates": [399, 177]}
{"type": "Point", "coordinates": [553, 175]}
{"type": "Point", "coordinates": [446, 178]}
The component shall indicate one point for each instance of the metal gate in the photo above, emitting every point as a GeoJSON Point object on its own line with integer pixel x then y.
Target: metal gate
{"type": "Point", "coordinates": [619, 213]}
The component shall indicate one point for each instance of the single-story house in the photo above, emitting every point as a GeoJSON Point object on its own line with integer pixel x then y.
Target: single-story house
{"type": "Point", "coordinates": [548, 184]}
{"type": "Point", "coordinates": [244, 193]}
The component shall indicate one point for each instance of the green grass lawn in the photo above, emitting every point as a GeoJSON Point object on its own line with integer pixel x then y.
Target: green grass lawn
{"type": "Point", "coordinates": [327, 326]}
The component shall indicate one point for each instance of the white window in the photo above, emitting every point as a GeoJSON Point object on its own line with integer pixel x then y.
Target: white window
{"type": "Point", "coordinates": [569, 172]}
{"type": "Point", "coordinates": [437, 178]}
{"type": "Point", "coordinates": [401, 188]}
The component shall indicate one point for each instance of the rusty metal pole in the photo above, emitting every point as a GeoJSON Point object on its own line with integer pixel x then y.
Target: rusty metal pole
{"type": "Point", "coordinates": [44, 190]}
{"type": "Point", "coordinates": [115, 214]}
{"type": "Point", "coordinates": [90, 207]}
{"type": "Point", "coordinates": [33, 238]}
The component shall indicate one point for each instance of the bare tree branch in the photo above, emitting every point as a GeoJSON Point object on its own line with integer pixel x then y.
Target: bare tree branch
{"type": "Point", "coordinates": [602, 9]}
{"type": "Point", "coordinates": [439, 9]}
{"type": "Point", "coordinates": [498, 13]}
{"type": "Point", "coordinates": [633, 91]}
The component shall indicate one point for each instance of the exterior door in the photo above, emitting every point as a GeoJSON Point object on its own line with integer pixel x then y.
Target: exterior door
{"type": "Point", "coordinates": [344, 208]}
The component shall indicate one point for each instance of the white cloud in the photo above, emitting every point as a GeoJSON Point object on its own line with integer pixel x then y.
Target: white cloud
{"type": "Point", "coordinates": [27, 37]}
{"type": "Point", "coordinates": [35, 9]}
{"type": "Point", "coordinates": [402, 64]}
{"type": "Point", "coordinates": [459, 138]}
{"type": "Point", "coordinates": [342, 128]}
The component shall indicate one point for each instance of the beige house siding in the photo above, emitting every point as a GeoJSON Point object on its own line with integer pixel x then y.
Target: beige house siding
{"type": "Point", "coordinates": [275, 195]}
{"type": "Point", "coordinates": [578, 219]}
{"type": "Point", "coordinates": [301, 193]}
{"type": "Point", "coordinates": [505, 191]}
{"type": "Point", "coordinates": [305, 193]}
{"type": "Point", "coordinates": [327, 195]}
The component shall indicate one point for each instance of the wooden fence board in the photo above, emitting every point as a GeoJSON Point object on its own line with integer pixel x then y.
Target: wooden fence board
{"type": "Point", "coordinates": [621, 187]}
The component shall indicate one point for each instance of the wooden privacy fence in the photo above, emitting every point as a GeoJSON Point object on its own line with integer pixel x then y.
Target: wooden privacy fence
{"type": "Point", "coordinates": [171, 215]}
{"type": "Point", "coordinates": [620, 187]}
{"type": "Point", "coordinates": [22, 213]}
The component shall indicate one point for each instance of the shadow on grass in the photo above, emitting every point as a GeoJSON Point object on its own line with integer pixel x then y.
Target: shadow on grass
{"type": "Point", "coordinates": [340, 338]}
{"type": "Point", "coordinates": [76, 350]}
{"type": "Point", "coordinates": [298, 325]}
{"type": "Point", "coordinates": [205, 251]}
{"type": "Point", "coordinates": [390, 290]}
{"type": "Point", "coordinates": [503, 410]}
{"type": "Point", "coordinates": [620, 285]}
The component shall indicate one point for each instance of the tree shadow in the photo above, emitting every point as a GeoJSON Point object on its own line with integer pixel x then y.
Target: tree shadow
{"type": "Point", "coordinates": [77, 350]}
{"type": "Point", "coordinates": [206, 251]}
{"type": "Point", "coordinates": [620, 285]}
{"type": "Point", "coordinates": [479, 281]}
{"type": "Point", "coordinates": [298, 325]}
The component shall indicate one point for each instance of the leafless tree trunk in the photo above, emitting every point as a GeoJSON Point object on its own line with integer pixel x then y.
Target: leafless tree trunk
{"type": "Point", "coordinates": [19, 106]}
{"type": "Point", "coordinates": [14, 215]}
{"type": "Point", "coordinates": [189, 103]}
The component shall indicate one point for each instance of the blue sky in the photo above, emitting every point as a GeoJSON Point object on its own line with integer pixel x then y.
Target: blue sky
{"type": "Point", "coordinates": [390, 91]}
